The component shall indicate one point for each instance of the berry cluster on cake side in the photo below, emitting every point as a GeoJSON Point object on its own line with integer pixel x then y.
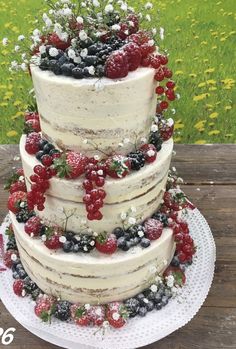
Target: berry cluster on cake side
{"type": "Point", "coordinates": [98, 233]}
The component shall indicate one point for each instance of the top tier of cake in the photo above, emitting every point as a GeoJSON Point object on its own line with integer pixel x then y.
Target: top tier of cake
{"type": "Point", "coordinates": [106, 112]}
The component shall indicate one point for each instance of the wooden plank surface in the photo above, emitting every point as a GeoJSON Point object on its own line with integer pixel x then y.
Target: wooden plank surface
{"type": "Point", "coordinates": [209, 172]}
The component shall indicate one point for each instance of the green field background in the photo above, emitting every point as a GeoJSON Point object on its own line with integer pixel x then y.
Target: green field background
{"type": "Point", "coordinates": [200, 37]}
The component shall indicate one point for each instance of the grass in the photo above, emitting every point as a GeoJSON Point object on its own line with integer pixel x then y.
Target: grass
{"type": "Point", "coordinates": [200, 37]}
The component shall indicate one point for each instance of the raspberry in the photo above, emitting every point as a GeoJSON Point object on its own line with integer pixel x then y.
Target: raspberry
{"type": "Point", "coordinates": [117, 65]}
{"type": "Point", "coordinates": [32, 143]}
{"type": "Point", "coordinates": [33, 226]}
{"type": "Point", "coordinates": [123, 33]}
{"type": "Point", "coordinates": [15, 200]}
{"type": "Point", "coordinates": [159, 76]}
{"type": "Point", "coordinates": [146, 49]}
{"type": "Point", "coordinates": [163, 59]}
{"type": "Point", "coordinates": [46, 160]}
{"type": "Point", "coordinates": [53, 242]}
{"type": "Point", "coordinates": [18, 186]}
{"type": "Point", "coordinates": [106, 244]}
{"type": "Point", "coordinates": [160, 90]}
{"type": "Point", "coordinates": [134, 25]}
{"type": "Point", "coordinates": [53, 39]}
{"type": "Point", "coordinates": [18, 288]}
{"type": "Point", "coordinates": [164, 105]}
{"type": "Point", "coordinates": [167, 72]}
{"type": "Point", "coordinates": [140, 38]}
{"type": "Point", "coordinates": [170, 94]}
{"type": "Point", "coordinates": [155, 62]}
{"type": "Point", "coordinates": [9, 256]}
{"type": "Point", "coordinates": [170, 84]}
{"type": "Point", "coordinates": [150, 152]}
{"type": "Point", "coordinates": [133, 55]}
{"type": "Point", "coordinates": [96, 315]}
{"type": "Point", "coordinates": [153, 229]}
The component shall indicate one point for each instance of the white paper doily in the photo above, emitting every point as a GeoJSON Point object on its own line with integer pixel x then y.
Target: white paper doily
{"type": "Point", "coordinates": [139, 331]}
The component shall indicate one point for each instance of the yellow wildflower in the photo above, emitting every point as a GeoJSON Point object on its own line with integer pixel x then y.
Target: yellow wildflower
{"type": "Point", "coordinates": [179, 72]}
{"type": "Point", "coordinates": [193, 75]}
{"type": "Point", "coordinates": [214, 133]}
{"type": "Point", "coordinates": [200, 97]}
{"type": "Point", "coordinates": [12, 133]}
{"type": "Point", "coordinates": [200, 141]}
{"type": "Point", "coordinates": [211, 82]}
{"type": "Point", "coordinates": [179, 60]}
{"type": "Point", "coordinates": [202, 84]}
{"type": "Point", "coordinates": [213, 115]}
{"type": "Point", "coordinates": [200, 124]}
{"type": "Point", "coordinates": [210, 70]}
{"type": "Point", "coordinates": [212, 88]}
{"type": "Point", "coordinates": [228, 107]}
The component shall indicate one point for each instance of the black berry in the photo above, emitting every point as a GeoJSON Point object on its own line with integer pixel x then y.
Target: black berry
{"type": "Point", "coordinates": [137, 160]}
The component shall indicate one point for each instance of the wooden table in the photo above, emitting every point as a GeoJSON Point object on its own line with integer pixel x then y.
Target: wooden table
{"type": "Point", "coordinates": [209, 172]}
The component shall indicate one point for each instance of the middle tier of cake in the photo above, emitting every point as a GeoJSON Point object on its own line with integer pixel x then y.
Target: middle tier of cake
{"type": "Point", "coordinates": [140, 191]}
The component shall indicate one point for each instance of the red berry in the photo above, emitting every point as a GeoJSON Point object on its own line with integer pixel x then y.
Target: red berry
{"type": "Point", "coordinates": [33, 226]}
{"type": "Point", "coordinates": [80, 315]}
{"type": "Point", "coordinates": [31, 116]}
{"type": "Point", "coordinates": [146, 61]}
{"type": "Point", "coordinates": [18, 288]}
{"type": "Point", "coordinates": [164, 105]}
{"type": "Point", "coordinates": [166, 129]}
{"type": "Point", "coordinates": [91, 208]}
{"type": "Point", "coordinates": [98, 204]}
{"type": "Point", "coordinates": [123, 33]}
{"type": "Point", "coordinates": [147, 49]}
{"type": "Point", "coordinates": [96, 314]}
{"type": "Point", "coordinates": [46, 160]}
{"type": "Point", "coordinates": [118, 166]}
{"type": "Point", "coordinates": [133, 55]}
{"type": "Point", "coordinates": [9, 256]}
{"type": "Point", "coordinates": [40, 207]}
{"type": "Point", "coordinates": [159, 76]}
{"type": "Point", "coordinates": [182, 257]}
{"type": "Point", "coordinates": [32, 143]}
{"type": "Point", "coordinates": [117, 65]}
{"type": "Point", "coordinates": [155, 62]}
{"type": "Point", "coordinates": [18, 186]}
{"type": "Point", "coordinates": [88, 185]}
{"type": "Point", "coordinates": [167, 72]}
{"type": "Point", "coordinates": [115, 319]}
{"type": "Point", "coordinates": [106, 243]}
{"type": "Point", "coordinates": [160, 90]}
{"type": "Point", "coordinates": [87, 199]}
{"type": "Point", "coordinates": [53, 39]}
{"type": "Point", "coordinates": [15, 200]}
{"type": "Point", "coordinates": [140, 38]}
{"type": "Point", "coordinates": [188, 249]}
{"type": "Point", "coordinates": [163, 59]}
{"type": "Point", "coordinates": [53, 243]}
{"type": "Point", "coordinates": [177, 273]}
{"type": "Point", "coordinates": [150, 152]}
{"type": "Point", "coordinates": [170, 95]}
{"type": "Point", "coordinates": [170, 84]}
{"type": "Point", "coordinates": [153, 229]}
{"type": "Point", "coordinates": [33, 125]}
{"type": "Point", "coordinates": [134, 27]}
{"type": "Point", "coordinates": [97, 216]}
{"type": "Point", "coordinates": [77, 163]}
{"type": "Point", "coordinates": [101, 193]}
{"type": "Point", "coordinates": [100, 181]}
{"type": "Point", "coordinates": [44, 308]}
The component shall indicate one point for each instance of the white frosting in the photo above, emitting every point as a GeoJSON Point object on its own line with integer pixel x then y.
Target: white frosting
{"type": "Point", "coordinates": [142, 190]}
{"type": "Point", "coordinates": [75, 110]}
{"type": "Point", "coordinates": [94, 277]}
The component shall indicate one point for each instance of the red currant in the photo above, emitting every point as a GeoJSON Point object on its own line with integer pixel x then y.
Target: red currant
{"type": "Point", "coordinates": [160, 90]}
{"type": "Point", "coordinates": [159, 76]}
{"type": "Point", "coordinates": [100, 181]}
{"type": "Point", "coordinates": [164, 105]}
{"type": "Point", "coordinates": [170, 84]}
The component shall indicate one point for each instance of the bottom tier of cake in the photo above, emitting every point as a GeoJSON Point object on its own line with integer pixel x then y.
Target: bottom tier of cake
{"type": "Point", "coordinates": [93, 278]}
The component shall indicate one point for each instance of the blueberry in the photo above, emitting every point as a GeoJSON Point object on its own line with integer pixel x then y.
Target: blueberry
{"type": "Point", "coordinates": [157, 298]}
{"type": "Point", "coordinates": [150, 306]}
{"type": "Point", "coordinates": [15, 275]}
{"type": "Point", "coordinates": [90, 60]}
{"type": "Point", "coordinates": [100, 71]}
{"type": "Point", "coordinates": [76, 248]}
{"type": "Point", "coordinates": [118, 232]}
{"type": "Point", "coordinates": [164, 300]}
{"type": "Point", "coordinates": [86, 72]}
{"type": "Point", "coordinates": [121, 242]}
{"type": "Point", "coordinates": [18, 267]}
{"type": "Point", "coordinates": [81, 65]}
{"type": "Point", "coordinates": [161, 217]}
{"type": "Point", "coordinates": [145, 242]}
{"type": "Point", "coordinates": [44, 64]}
{"type": "Point", "coordinates": [151, 296]}
{"type": "Point", "coordinates": [54, 151]}
{"type": "Point", "coordinates": [63, 59]}
{"type": "Point", "coordinates": [55, 67]}
{"type": "Point", "coordinates": [42, 143]}
{"type": "Point", "coordinates": [70, 235]}
{"type": "Point", "coordinates": [77, 73]}
{"type": "Point", "coordinates": [127, 236]}
{"type": "Point", "coordinates": [175, 262]}
{"type": "Point", "coordinates": [48, 147]}
{"type": "Point", "coordinates": [134, 241]}
{"type": "Point", "coordinates": [68, 246]}
{"type": "Point", "coordinates": [142, 311]}
{"type": "Point", "coordinates": [140, 297]}
{"type": "Point", "coordinates": [39, 155]}
{"type": "Point", "coordinates": [86, 43]}
{"type": "Point", "coordinates": [22, 274]}
{"type": "Point", "coordinates": [67, 68]}
{"type": "Point", "coordinates": [159, 306]}
{"type": "Point", "coordinates": [132, 306]}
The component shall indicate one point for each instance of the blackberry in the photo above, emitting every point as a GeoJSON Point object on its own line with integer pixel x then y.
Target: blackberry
{"type": "Point", "coordinates": [55, 67]}
{"type": "Point", "coordinates": [11, 243]}
{"type": "Point", "coordinates": [140, 297]}
{"type": "Point", "coordinates": [90, 60]}
{"type": "Point", "coordinates": [145, 243]}
{"type": "Point", "coordinates": [62, 310]}
{"type": "Point", "coordinates": [22, 274]}
{"type": "Point", "coordinates": [100, 71]}
{"type": "Point", "coordinates": [68, 246]}
{"type": "Point", "coordinates": [156, 140]}
{"type": "Point", "coordinates": [24, 215]}
{"type": "Point", "coordinates": [39, 155]}
{"type": "Point", "coordinates": [135, 231]}
{"type": "Point", "coordinates": [132, 305]}
{"type": "Point", "coordinates": [63, 59]}
{"type": "Point", "coordinates": [77, 73]}
{"type": "Point", "coordinates": [76, 248]}
{"type": "Point", "coordinates": [15, 275]}
{"type": "Point", "coordinates": [159, 306]}
{"type": "Point", "coordinates": [29, 285]}
{"type": "Point", "coordinates": [36, 293]}
{"type": "Point", "coordinates": [161, 217]}
{"type": "Point", "coordinates": [86, 243]}
{"type": "Point", "coordinates": [150, 306]}
{"type": "Point", "coordinates": [151, 296]}
{"type": "Point", "coordinates": [67, 68]}
{"type": "Point", "coordinates": [69, 235]}
{"type": "Point", "coordinates": [137, 160]}
{"type": "Point", "coordinates": [157, 298]}
{"type": "Point", "coordinates": [44, 64]}
{"type": "Point", "coordinates": [142, 311]}
{"type": "Point", "coordinates": [95, 48]}
{"type": "Point", "coordinates": [118, 232]}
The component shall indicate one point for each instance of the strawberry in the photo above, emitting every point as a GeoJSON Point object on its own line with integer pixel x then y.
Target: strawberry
{"type": "Point", "coordinates": [106, 243]}
{"type": "Point", "coordinates": [32, 125]}
{"type": "Point", "coordinates": [133, 55]}
{"type": "Point", "coordinates": [117, 66]}
{"type": "Point", "coordinates": [177, 273]}
{"type": "Point", "coordinates": [150, 152]}
{"type": "Point", "coordinates": [96, 315]}
{"type": "Point", "coordinates": [116, 315]}
{"type": "Point", "coordinates": [175, 201]}
{"type": "Point", "coordinates": [15, 200]}
{"type": "Point", "coordinates": [118, 166]}
{"type": "Point", "coordinates": [44, 308]}
{"type": "Point", "coordinates": [80, 315]}
{"type": "Point", "coordinates": [153, 229]}
{"type": "Point", "coordinates": [13, 179]}
{"type": "Point", "coordinates": [18, 288]}
{"type": "Point", "coordinates": [53, 39]}
{"type": "Point", "coordinates": [166, 128]}
{"type": "Point", "coordinates": [53, 242]}
{"type": "Point", "coordinates": [33, 226]}
{"type": "Point", "coordinates": [18, 186]}
{"type": "Point", "coordinates": [70, 165]}
{"type": "Point", "coordinates": [9, 257]}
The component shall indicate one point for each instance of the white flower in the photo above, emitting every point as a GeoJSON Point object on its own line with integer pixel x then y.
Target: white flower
{"type": "Point", "coordinates": [99, 85]}
{"type": "Point", "coordinates": [143, 140]}
{"type": "Point", "coordinates": [132, 220]}
{"type": "Point", "coordinates": [17, 48]}
{"type": "Point", "coordinates": [152, 269]}
{"type": "Point", "coordinates": [154, 288]}
{"type": "Point", "coordinates": [13, 257]}
{"type": "Point", "coordinates": [140, 233]}
{"type": "Point", "coordinates": [109, 9]}
{"type": "Point", "coordinates": [124, 7]}
{"type": "Point", "coordinates": [97, 157]}
{"type": "Point", "coordinates": [116, 316]}
{"type": "Point", "coordinates": [96, 3]}
{"type": "Point", "coordinates": [44, 238]}
{"type": "Point", "coordinates": [148, 6]}
{"type": "Point", "coordinates": [123, 216]}
{"type": "Point", "coordinates": [170, 281]}
{"type": "Point", "coordinates": [133, 209]}
{"type": "Point", "coordinates": [100, 172]}
{"type": "Point", "coordinates": [83, 4]}
{"type": "Point", "coordinates": [154, 31]}
{"type": "Point", "coordinates": [71, 53]}
{"type": "Point", "coordinates": [151, 43]}
{"type": "Point", "coordinates": [148, 18]}
{"type": "Point", "coordinates": [36, 32]}
{"type": "Point", "coordinates": [162, 31]}
{"type": "Point", "coordinates": [150, 153]}
{"type": "Point", "coordinates": [87, 306]}
{"type": "Point", "coordinates": [53, 52]}
{"type": "Point", "coordinates": [84, 52]}
{"type": "Point", "coordinates": [21, 37]}
{"type": "Point", "coordinates": [115, 27]}
{"type": "Point", "coordinates": [67, 12]}
{"type": "Point", "coordinates": [154, 128]}
{"type": "Point", "coordinates": [5, 41]}
{"type": "Point", "coordinates": [145, 300]}
{"type": "Point", "coordinates": [121, 145]}
{"type": "Point", "coordinates": [170, 122]}
{"type": "Point", "coordinates": [24, 66]}
{"type": "Point", "coordinates": [126, 141]}
{"type": "Point", "coordinates": [77, 60]}
{"type": "Point", "coordinates": [80, 20]}
{"type": "Point", "coordinates": [158, 279]}
{"type": "Point", "coordinates": [62, 239]}
{"type": "Point", "coordinates": [91, 70]}
{"type": "Point", "coordinates": [82, 35]}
